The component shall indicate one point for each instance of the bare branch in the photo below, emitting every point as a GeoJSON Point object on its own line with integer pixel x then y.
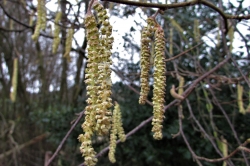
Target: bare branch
{"type": "Point", "coordinates": [183, 53]}
{"type": "Point", "coordinates": [184, 4]}
{"type": "Point", "coordinates": [32, 141]}
{"type": "Point", "coordinates": [65, 138]}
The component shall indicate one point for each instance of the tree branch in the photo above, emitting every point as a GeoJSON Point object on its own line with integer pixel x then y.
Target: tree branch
{"type": "Point", "coordinates": [32, 141]}
{"type": "Point", "coordinates": [65, 138]}
{"type": "Point", "coordinates": [179, 5]}
{"type": "Point", "coordinates": [184, 4]}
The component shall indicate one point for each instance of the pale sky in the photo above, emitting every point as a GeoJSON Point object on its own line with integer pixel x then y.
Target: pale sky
{"type": "Point", "coordinates": [123, 25]}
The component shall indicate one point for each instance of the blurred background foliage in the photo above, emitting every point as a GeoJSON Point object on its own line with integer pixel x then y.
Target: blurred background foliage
{"type": "Point", "coordinates": [52, 91]}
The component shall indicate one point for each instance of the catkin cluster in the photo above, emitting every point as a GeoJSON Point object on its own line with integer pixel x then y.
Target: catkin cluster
{"type": "Point", "coordinates": [41, 19]}
{"type": "Point", "coordinates": [159, 72]}
{"type": "Point", "coordinates": [117, 129]}
{"type": "Point", "coordinates": [159, 83]}
{"type": "Point", "coordinates": [98, 80]}
{"type": "Point", "coordinates": [147, 33]}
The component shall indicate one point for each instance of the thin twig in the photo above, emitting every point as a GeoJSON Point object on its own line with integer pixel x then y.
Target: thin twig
{"type": "Point", "coordinates": [183, 53]}
{"type": "Point", "coordinates": [204, 132]}
{"type": "Point", "coordinates": [237, 66]}
{"type": "Point", "coordinates": [245, 41]}
{"type": "Point", "coordinates": [90, 6]}
{"type": "Point", "coordinates": [224, 158]}
{"type": "Point", "coordinates": [196, 82]}
{"type": "Point", "coordinates": [30, 142]}
{"type": "Point", "coordinates": [65, 138]}
{"type": "Point", "coordinates": [180, 115]}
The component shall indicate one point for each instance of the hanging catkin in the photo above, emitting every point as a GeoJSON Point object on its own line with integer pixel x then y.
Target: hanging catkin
{"type": "Point", "coordinates": [41, 19]}
{"type": "Point", "coordinates": [145, 59]}
{"type": "Point", "coordinates": [104, 101]}
{"type": "Point", "coordinates": [117, 129]}
{"type": "Point", "coordinates": [56, 40]}
{"type": "Point", "coordinates": [14, 80]}
{"type": "Point", "coordinates": [239, 98]}
{"type": "Point", "coordinates": [159, 84]}
{"type": "Point", "coordinates": [68, 44]}
{"type": "Point", "coordinates": [98, 80]}
{"type": "Point", "coordinates": [91, 72]}
{"type": "Point", "coordinates": [171, 42]}
{"type": "Point", "coordinates": [196, 31]}
{"type": "Point", "coordinates": [231, 37]}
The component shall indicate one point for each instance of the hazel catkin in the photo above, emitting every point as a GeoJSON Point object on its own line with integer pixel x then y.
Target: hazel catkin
{"type": "Point", "coordinates": [117, 129]}
{"type": "Point", "coordinates": [56, 40]}
{"type": "Point", "coordinates": [14, 80]}
{"type": "Point", "coordinates": [104, 101]}
{"type": "Point", "coordinates": [68, 44]}
{"type": "Point", "coordinates": [239, 98]}
{"type": "Point", "coordinates": [174, 94]}
{"type": "Point", "coordinates": [90, 122]}
{"type": "Point", "coordinates": [159, 84]}
{"type": "Point", "coordinates": [145, 59]}
{"type": "Point", "coordinates": [41, 19]}
{"type": "Point", "coordinates": [98, 80]}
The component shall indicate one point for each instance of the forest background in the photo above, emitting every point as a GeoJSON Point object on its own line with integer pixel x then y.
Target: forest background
{"type": "Point", "coordinates": [210, 44]}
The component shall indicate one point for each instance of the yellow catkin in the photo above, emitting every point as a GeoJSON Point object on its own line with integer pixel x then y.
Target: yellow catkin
{"type": "Point", "coordinates": [231, 37]}
{"type": "Point", "coordinates": [239, 98]}
{"type": "Point", "coordinates": [224, 149]}
{"type": "Point", "coordinates": [222, 145]}
{"type": "Point", "coordinates": [159, 84]}
{"type": "Point", "coordinates": [43, 14]}
{"type": "Point", "coordinates": [176, 25]}
{"type": "Point", "coordinates": [104, 101]}
{"type": "Point", "coordinates": [113, 138]}
{"type": "Point", "coordinates": [171, 41]}
{"type": "Point", "coordinates": [118, 125]}
{"type": "Point", "coordinates": [91, 73]}
{"type": "Point", "coordinates": [196, 31]}
{"type": "Point", "coordinates": [181, 84]}
{"type": "Point", "coordinates": [11, 24]}
{"type": "Point", "coordinates": [56, 40]}
{"type": "Point", "coordinates": [98, 80]}
{"type": "Point", "coordinates": [117, 129]}
{"type": "Point", "coordinates": [68, 44]}
{"type": "Point", "coordinates": [180, 91]}
{"type": "Point", "coordinates": [41, 19]}
{"type": "Point", "coordinates": [14, 80]}
{"type": "Point", "coordinates": [174, 94]}
{"type": "Point", "coordinates": [145, 59]}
